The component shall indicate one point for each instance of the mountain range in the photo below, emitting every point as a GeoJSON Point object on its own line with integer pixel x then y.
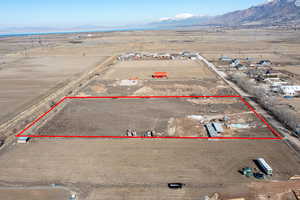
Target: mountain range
{"type": "Point", "coordinates": [271, 13]}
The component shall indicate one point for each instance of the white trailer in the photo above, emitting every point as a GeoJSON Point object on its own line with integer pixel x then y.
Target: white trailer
{"type": "Point", "coordinates": [265, 166]}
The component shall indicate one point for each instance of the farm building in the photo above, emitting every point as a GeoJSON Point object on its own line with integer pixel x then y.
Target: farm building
{"type": "Point", "coordinates": [211, 131]}
{"type": "Point", "coordinates": [185, 53]}
{"type": "Point", "coordinates": [234, 63]}
{"type": "Point", "coordinates": [264, 63]}
{"type": "Point", "coordinates": [193, 57]}
{"type": "Point", "coordinates": [290, 90]}
{"type": "Point", "coordinates": [23, 140]}
{"type": "Point", "coordinates": [218, 127]}
{"type": "Point", "coordinates": [225, 59]}
{"type": "Point", "coordinates": [164, 56]}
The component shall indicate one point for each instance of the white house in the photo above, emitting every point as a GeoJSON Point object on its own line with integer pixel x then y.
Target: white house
{"type": "Point", "coordinates": [234, 63]}
{"type": "Point", "coordinates": [289, 90]}
{"type": "Point", "coordinates": [264, 63]}
{"type": "Point", "coordinates": [225, 59]}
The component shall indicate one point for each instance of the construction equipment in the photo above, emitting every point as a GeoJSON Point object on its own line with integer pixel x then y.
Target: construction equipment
{"type": "Point", "coordinates": [128, 133]}
{"type": "Point", "coordinates": [247, 171]}
{"type": "Point", "coordinates": [131, 133]}
{"type": "Point", "coordinates": [160, 75]}
{"type": "Point", "coordinates": [149, 133]}
{"type": "Point", "coordinates": [259, 176]}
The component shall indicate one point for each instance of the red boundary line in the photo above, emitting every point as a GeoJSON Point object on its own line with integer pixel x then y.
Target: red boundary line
{"type": "Point", "coordinates": [278, 136]}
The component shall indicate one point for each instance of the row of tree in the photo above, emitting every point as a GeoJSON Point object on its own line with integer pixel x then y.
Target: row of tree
{"type": "Point", "coordinates": [286, 116]}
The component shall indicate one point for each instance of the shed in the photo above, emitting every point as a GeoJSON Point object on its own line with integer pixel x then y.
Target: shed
{"type": "Point", "coordinates": [225, 59]}
{"type": "Point", "coordinates": [264, 63]}
{"type": "Point", "coordinates": [193, 57]}
{"type": "Point", "coordinates": [218, 127]}
{"type": "Point", "coordinates": [234, 63]}
{"type": "Point", "coordinates": [128, 82]}
{"type": "Point", "coordinates": [290, 90]}
{"type": "Point", "coordinates": [211, 131]}
{"type": "Point", "coordinates": [23, 140]}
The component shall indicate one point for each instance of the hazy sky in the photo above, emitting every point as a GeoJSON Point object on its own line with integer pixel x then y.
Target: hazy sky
{"type": "Point", "coordinates": [107, 12]}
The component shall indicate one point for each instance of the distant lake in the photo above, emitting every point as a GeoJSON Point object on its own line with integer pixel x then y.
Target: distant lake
{"type": "Point", "coordinates": [74, 32]}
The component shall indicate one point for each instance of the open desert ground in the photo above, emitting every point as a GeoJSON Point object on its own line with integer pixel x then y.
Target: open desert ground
{"type": "Point", "coordinates": [34, 67]}
{"type": "Point", "coordinates": [89, 164]}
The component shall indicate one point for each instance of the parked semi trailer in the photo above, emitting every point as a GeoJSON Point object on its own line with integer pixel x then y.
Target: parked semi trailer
{"type": "Point", "coordinates": [265, 167]}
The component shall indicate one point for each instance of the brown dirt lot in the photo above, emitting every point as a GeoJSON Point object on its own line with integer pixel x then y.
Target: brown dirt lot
{"type": "Point", "coordinates": [113, 167]}
{"type": "Point", "coordinates": [31, 62]}
{"type": "Point", "coordinates": [112, 117]}
{"type": "Point", "coordinates": [168, 117]}
{"type": "Point", "coordinates": [25, 82]}
{"type": "Point", "coordinates": [177, 69]}
{"type": "Point", "coordinates": [292, 69]}
{"type": "Point", "coordinates": [143, 163]}
{"type": "Point", "coordinates": [33, 194]}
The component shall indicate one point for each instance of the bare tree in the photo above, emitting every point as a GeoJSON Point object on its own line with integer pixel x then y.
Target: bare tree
{"type": "Point", "coordinates": [286, 116]}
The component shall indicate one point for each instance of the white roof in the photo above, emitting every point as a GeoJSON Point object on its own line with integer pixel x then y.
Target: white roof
{"type": "Point", "coordinates": [291, 87]}
{"type": "Point", "coordinates": [23, 138]}
{"type": "Point", "coordinates": [264, 163]}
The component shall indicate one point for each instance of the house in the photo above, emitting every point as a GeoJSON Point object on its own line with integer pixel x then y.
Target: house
{"type": "Point", "coordinates": [264, 63]}
{"type": "Point", "coordinates": [175, 56]}
{"type": "Point", "coordinates": [193, 57]}
{"type": "Point", "coordinates": [185, 53]}
{"type": "Point", "coordinates": [225, 59]}
{"type": "Point", "coordinates": [23, 140]}
{"type": "Point", "coordinates": [275, 84]}
{"type": "Point", "coordinates": [289, 90]}
{"type": "Point", "coordinates": [234, 63]}
{"type": "Point", "coordinates": [164, 56]}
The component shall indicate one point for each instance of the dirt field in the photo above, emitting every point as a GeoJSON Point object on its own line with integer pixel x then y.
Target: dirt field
{"type": "Point", "coordinates": [256, 190]}
{"type": "Point", "coordinates": [168, 117]}
{"type": "Point", "coordinates": [34, 194]}
{"type": "Point", "coordinates": [24, 82]}
{"type": "Point", "coordinates": [164, 87]}
{"type": "Point", "coordinates": [26, 62]}
{"type": "Point", "coordinates": [142, 163]}
{"type": "Point", "coordinates": [177, 69]}
{"type": "Point", "coordinates": [140, 168]}
{"type": "Point", "coordinates": [292, 69]}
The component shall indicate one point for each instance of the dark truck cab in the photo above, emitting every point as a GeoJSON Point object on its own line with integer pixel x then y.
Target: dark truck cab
{"type": "Point", "coordinates": [175, 185]}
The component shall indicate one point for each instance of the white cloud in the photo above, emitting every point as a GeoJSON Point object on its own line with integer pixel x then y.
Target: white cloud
{"type": "Point", "coordinates": [178, 17]}
{"type": "Point", "coordinates": [184, 16]}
